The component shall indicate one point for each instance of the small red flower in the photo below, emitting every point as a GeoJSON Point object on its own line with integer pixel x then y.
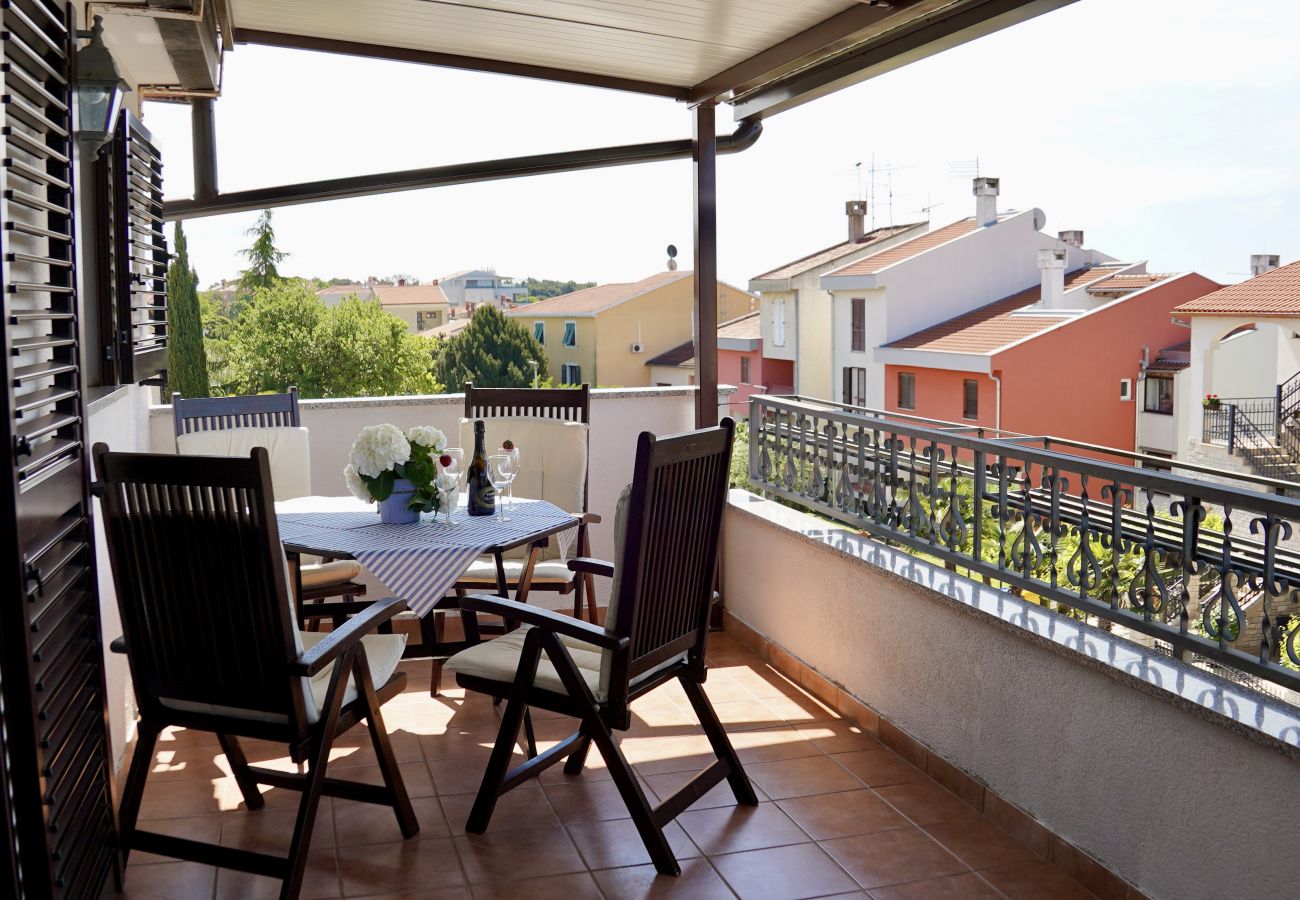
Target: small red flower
{"type": "Point", "coordinates": [444, 460]}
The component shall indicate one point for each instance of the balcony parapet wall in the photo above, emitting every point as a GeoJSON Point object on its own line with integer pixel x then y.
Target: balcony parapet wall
{"type": "Point", "coordinates": [1153, 768]}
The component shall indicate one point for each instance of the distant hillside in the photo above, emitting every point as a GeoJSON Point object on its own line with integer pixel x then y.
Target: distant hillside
{"type": "Point", "coordinates": [541, 288]}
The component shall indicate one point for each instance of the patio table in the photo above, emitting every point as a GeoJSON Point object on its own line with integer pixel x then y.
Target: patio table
{"type": "Point", "coordinates": [422, 561]}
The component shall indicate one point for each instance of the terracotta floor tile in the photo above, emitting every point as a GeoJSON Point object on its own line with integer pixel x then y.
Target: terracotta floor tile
{"type": "Point", "coordinates": [1036, 881]}
{"type": "Point", "coordinates": [615, 844]}
{"type": "Point", "coordinates": [462, 775]}
{"type": "Point", "coordinates": [723, 687]}
{"type": "Point", "coordinates": [877, 768]}
{"type": "Point", "coordinates": [399, 866]}
{"type": "Point", "coordinates": [415, 775]}
{"type": "Point", "coordinates": [177, 762]}
{"type": "Point", "coordinates": [589, 801]}
{"type": "Point", "coordinates": [767, 744]}
{"type": "Point", "coordinates": [524, 807]}
{"type": "Point", "coordinates": [731, 829]}
{"type": "Point", "coordinates": [719, 795]}
{"type": "Point", "coordinates": [457, 893]}
{"type": "Point", "coordinates": [459, 741]}
{"type": "Point", "coordinates": [953, 887]}
{"type": "Point", "coordinates": [271, 830]}
{"type": "Point", "coordinates": [980, 844]}
{"type": "Point", "coordinates": [369, 823]}
{"type": "Point", "coordinates": [742, 715]}
{"type": "Point", "coordinates": [169, 881]}
{"type": "Point", "coordinates": [698, 881]}
{"type": "Point", "coordinates": [798, 708]}
{"type": "Point", "coordinates": [838, 737]}
{"type": "Point", "coordinates": [166, 799]}
{"type": "Point", "coordinates": [783, 873]}
{"type": "Point", "coordinates": [801, 777]}
{"type": "Point", "coordinates": [577, 886]}
{"type": "Point", "coordinates": [827, 816]}
{"type": "Point", "coordinates": [653, 756]}
{"type": "Point", "coordinates": [925, 803]}
{"type": "Point", "coordinates": [320, 881]}
{"type": "Point", "coordinates": [513, 855]}
{"type": "Point", "coordinates": [893, 857]}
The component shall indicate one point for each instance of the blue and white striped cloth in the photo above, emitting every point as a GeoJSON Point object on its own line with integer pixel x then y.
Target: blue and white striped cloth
{"type": "Point", "coordinates": [420, 562]}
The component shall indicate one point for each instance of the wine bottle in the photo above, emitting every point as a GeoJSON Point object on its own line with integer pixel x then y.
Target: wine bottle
{"type": "Point", "coordinates": [482, 498]}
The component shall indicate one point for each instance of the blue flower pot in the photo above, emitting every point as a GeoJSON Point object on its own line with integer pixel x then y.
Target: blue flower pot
{"type": "Point", "coordinates": [393, 511]}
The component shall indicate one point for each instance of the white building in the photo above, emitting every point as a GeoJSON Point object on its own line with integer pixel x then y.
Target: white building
{"type": "Point", "coordinates": [475, 286]}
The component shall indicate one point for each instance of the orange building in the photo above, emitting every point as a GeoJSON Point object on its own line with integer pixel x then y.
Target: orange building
{"type": "Point", "coordinates": [1062, 358]}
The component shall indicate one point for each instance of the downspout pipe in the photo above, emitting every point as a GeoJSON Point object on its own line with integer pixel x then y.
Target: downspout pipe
{"type": "Point", "coordinates": [997, 402]}
{"type": "Point", "coordinates": [744, 137]}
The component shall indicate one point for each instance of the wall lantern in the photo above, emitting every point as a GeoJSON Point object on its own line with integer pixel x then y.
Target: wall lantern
{"type": "Point", "coordinates": [100, 88]}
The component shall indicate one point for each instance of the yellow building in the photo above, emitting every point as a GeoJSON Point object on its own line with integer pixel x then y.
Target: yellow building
{"type": "Point", "coordinates": [420, 306]}
{"type": "Point", "coordinates": [603, 335]}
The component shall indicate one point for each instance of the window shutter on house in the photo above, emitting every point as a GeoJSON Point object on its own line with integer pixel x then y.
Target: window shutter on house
{"type": "Point", "coordinates": [54, 749]}
{"type": "Point", "coordinates": [133, 326]}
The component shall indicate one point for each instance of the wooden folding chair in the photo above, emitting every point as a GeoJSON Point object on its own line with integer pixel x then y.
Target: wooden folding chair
{"type": "Point", "coordinates": [317, 581]}
{"type": "Point", "coordinates": [212, 641]}
{"type": "Point", "coordinates": [666, 539]}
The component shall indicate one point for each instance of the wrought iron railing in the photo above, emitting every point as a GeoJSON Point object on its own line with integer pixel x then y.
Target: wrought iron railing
{"type": "Point", "coordinates": [1129, 546]}
{"type": "Point", "coordinates": [1288, 399]}
{"type": "Point", "coordinates": [1273, 456]}
{"type": "Point", "coordinates": [1216, 424]}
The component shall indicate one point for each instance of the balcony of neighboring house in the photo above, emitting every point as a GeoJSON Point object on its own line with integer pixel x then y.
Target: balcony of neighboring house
{"type": "Point", "coordinates": [929, 695]}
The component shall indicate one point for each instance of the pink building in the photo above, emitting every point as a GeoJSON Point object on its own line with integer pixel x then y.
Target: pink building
{"type": "Point", "coordinates": [740, 362]}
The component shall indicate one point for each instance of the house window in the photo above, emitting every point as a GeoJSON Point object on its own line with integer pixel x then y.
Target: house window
{"type": "Point", "coordinates": [744, 370]}
{"type": "Point", "coordinates": [539, 332]}
{"type": "Point", "coordinates": [855, 386]}
{"type": "Point", "coordinates": [778, 322]}
{"type": "Point", "coordinates": [858, 331]}
{"type": "Point", "coordinates": [571, 373]}
{"type": "Point", "coordinates": [906, 390]}
{"type": "Point", "coordinates": [570, 334]}
{"type": "Point", "coordinates": [970, 399]}
{"type": "Point", "coordinates": [1126, 389]}
{"type": "Point", "coordinates": [1158, 395]}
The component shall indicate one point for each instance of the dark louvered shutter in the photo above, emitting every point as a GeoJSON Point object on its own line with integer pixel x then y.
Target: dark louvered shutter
{"type": "Point", "coordinates": [58, 807]}
{"type": "Point", "coordinates": [133, 325]}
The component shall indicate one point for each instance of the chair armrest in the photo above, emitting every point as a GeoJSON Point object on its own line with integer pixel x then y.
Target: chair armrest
{"type": "Point", "coordinates": [341, 639]}
{"type": "Point", "coordinates": [545, 619]}
{"type": "Point", "coordinates": [591, 566]}
{"type": "Point", "coordinates": [119, 644]}
{"type": "Point", "coordinates": [589, 518]}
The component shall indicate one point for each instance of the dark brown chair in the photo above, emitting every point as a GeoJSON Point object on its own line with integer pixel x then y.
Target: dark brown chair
{"type": "Point", "coordinates": [317, 581]}
{"type": "Point", "coordinates": [213, 645]}
{"type": "Point", "coordinates": [667, 535]}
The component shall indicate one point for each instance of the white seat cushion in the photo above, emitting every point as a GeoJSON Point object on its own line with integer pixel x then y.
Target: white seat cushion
{"type": "Point", "coordinates": [552, 462]}
{"type": "Point", "coordinates": [383, 653]}
{"type": "Point", "coordinates": [324, 574]}
{"type": "Point", "coordinates": [288, 448]}
{"type": "Point", "coordinates": [498, 660]}
{"type": "Point", "coordinates": [484, 571]}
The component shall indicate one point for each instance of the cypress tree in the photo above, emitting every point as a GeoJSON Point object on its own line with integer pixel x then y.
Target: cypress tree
{"type": "Point", "coordinates": [187, 360]}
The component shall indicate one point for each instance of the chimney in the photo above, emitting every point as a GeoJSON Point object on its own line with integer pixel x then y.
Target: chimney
{"type": "Point", "coordinates": [986, 201]}
{"type": "Point", "coordinates": [856, 210]}
{"type": "Point", "coordinates": [401, 282]}
{"type": "Point", "coordinates": [1073, 238]}
{"type": "Point", "coordinates": [1263, 262]}
{"type": "Point", "coordinates": [1051, 264]}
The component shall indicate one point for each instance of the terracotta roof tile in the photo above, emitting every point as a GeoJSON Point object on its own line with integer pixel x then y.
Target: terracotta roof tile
{"type": "Point", "coordinates": [1123, 284]}
{"type": "Point", "coordinates": [1168, 365]}
{"type": "Point", "coordinates": [994, 326]}
{"type": "Point", "coordinates": [1275, 293]}
{"type": "Point", "coordinates": [675, 356]}
{"type": "Point", "coordinates": [830, 254]}
{"type": "Point", "coordinates": [409, 294]}
{"type": "Point", "coordinates": [906, 250]}
{"type": "Point", "coordinates": [598, 298]}
{"type": "Point", "coordinates": [746, 328]}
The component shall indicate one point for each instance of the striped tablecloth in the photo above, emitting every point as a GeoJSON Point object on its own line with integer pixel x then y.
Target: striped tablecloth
{"type": "Point", "coordinates": [420, 562]}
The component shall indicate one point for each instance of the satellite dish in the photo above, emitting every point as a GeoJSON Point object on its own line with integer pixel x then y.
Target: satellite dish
{"type": "Point", "coordinates": [672, 251]}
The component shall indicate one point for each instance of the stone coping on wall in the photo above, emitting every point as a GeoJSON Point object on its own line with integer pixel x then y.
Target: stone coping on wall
{"type": "Point", "coordinates": [1246, 712]}
{"type": "Point", "coordinates": [724, 390]}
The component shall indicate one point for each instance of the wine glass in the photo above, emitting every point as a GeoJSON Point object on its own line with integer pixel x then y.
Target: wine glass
{"type": "Point", "coordinates": [447, 484]}
{"type": "Point", "coordinates": [457, 456]}
{"type": "Point", "coordinates": [501, 472]}
{"type": "Point", "coordinates": [511, 449]}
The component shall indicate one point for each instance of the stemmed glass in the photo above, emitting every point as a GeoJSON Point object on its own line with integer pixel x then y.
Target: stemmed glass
{"type": "Point", "coordinates": [501, 471]}
{"type": "Point", "coordinates": [512, 451]}
{"type": "Point", "coordinates": [448, 481]}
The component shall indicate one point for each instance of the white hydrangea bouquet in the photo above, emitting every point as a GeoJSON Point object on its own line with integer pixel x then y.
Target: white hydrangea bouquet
{"type": "Point", "coordinates": [397, 469]}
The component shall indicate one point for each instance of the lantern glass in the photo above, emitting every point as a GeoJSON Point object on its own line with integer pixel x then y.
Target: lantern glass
{"type": "Point", "coordinates": [98, 103]}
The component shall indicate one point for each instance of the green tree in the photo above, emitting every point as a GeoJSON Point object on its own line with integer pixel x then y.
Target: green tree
{"type": "Point", "coordinates": [492, 351]}
{"type": "Point", "coordinates": [542, 288]}
{"type": "Point", "coordinates": [287, 336]}
{"type": "Point", "coordinates": [263, 256]}
{"type": "Point", "coordinates": [187, 361]}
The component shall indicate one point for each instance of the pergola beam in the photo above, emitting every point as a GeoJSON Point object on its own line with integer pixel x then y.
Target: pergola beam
{"type": "Point", "coordinates": [455, 61]}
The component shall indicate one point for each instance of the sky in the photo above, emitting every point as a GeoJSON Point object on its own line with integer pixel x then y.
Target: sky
{"type": "Point", "coordinates": [1164, 129]}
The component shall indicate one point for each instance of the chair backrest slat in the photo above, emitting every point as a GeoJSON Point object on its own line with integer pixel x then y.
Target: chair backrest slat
{"type": "Point", "coordinates": [214, 413]}
{"type": "Point", "coordinates": [567, 404]}
{"type": "Point", "coordinates": [670, 550]}
{"type": "Point", "coordinates": [201, 585]}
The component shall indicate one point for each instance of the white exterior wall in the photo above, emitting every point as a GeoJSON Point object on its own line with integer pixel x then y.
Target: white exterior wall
{"type": "Point", "coordinates": [1066, 738]}
{"type": "Point", "coordinates": [1247, 365]}
{"type": "Point", "coordinates": [972, 271]}
{"type": "Point", "coordinates": [771, 349]}
{"type": "Point", "coordinates": [1254, 363]}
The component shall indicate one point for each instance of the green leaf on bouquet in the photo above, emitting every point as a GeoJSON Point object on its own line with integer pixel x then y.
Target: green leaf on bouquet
{"type": "Point", "coordinates": [419, 472]}
{"type": "Point", "coordinates": [381, 486]}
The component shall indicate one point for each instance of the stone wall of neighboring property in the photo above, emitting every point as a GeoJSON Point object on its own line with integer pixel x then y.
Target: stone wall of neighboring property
{"type": "Point", "coordinates": [1074, 726]}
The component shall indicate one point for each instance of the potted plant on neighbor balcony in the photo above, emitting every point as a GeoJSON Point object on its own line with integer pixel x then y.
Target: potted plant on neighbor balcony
{"type": "Point", "coordinates": [396, 469]}
{"type": "Point", "coordinates": [1211, 401]}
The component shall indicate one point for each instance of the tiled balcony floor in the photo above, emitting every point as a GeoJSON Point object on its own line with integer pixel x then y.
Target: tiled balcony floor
{"type": "Point", "coordinates": [840, 815]}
